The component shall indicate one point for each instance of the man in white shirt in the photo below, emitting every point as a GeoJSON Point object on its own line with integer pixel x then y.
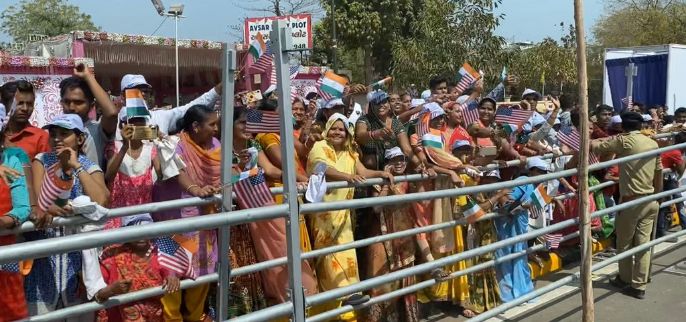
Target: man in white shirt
{"type": "Point", "coordinates": [166, 119]}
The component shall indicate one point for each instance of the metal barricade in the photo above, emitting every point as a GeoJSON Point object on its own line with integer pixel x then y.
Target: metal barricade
{"type": "Point", "coordinates": [295, 307]}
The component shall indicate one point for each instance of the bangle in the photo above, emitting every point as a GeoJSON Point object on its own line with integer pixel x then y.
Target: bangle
{"type": "Point", "coordinates": [188, 189]}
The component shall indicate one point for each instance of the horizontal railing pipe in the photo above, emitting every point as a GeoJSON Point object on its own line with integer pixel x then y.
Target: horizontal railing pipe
{"type": "Point", "coordinates": [431, 282]}
{"type": "Point", "coordinates": [566, 280]}
{"type": "Point", "coordinates": [79, 309]}
{"type": "Point", "coordinates": [58, 245]}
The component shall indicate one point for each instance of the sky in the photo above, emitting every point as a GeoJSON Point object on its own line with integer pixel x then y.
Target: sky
{"type": "Point", "coordinates": [525, 20]}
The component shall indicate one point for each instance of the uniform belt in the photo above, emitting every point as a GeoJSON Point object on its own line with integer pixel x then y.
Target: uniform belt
{"type": "Point", "coordinates": [632, 197]}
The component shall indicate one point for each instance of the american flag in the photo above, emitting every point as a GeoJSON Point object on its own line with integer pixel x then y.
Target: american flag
{"type": "Point", "coordinates": [512, 116]}
{"type": "Point", "coordinates": [253, 192]}
{"type": "Point", "coordinates": [294, 73]}
{"type": "Point", "coordinates": [569, 136]}
{"type": "Point", "coordinates": [465, 82]}
{"type": "Point", "coordinates": [174, 257]}
{"type": "Point", "coordinates": [552, 241]}
{"type": "Point", "coordinates": [470, 112]}
{"type": "Point", "coordinates": [53, 188]}
{"type": "Point", "coordinates": [628, 101]}
{"type": "Point", "coordinates": [10, 267]}
{"type": "Point", "coordinates": [261, 121]}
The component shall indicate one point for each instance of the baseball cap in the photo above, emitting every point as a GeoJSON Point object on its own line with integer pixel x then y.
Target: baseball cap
{"type": "Point", "coordinates": [460, 143]}
{"type": "Point", "coordinates": [333, 103]}
{"type": "Point", "coordinates": [616, 119]}
{"type": "Point", "coordinates": [537, 162]}
{"type": "Point", "coordinates": [530, 91]}
{"type": "Point", "coordinates": [67, 121]}
{"type": "Point", "coordinates": [393, 152]}
{"type": "Point", "coordinates": [133, 80]}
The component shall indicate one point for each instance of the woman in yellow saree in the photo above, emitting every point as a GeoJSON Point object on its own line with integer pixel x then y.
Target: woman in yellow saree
{"type": "Point", "coordinates": [334, 227]}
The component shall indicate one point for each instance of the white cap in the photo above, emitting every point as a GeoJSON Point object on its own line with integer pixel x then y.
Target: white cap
{"type": "Point", "coordinates": [426, 94]}
{"type": "Point", "coordinates": [462, 99]}
{"type": "Point", "coordinates": [333, 103]}
{"type": "Point", "coordinates": [616, 119]}
{"type": "Point", "coordinates": [537, 162]}
{"type": "Point", "coordinates": [647, 118]}
{"type": "Point", "coordinates": [529, 91]}
{"type": "Point", "coordinates": [393, 152]}
{"type": "Point", "coordinates": [416, 102]}
{"type": "Point", "coordinates": [270, 89]}
{"type": "Point", "coordinates": [131, 81]}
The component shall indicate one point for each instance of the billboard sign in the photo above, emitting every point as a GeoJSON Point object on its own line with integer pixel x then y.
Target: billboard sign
{"type": "Point", "coordinates": [301, 28]}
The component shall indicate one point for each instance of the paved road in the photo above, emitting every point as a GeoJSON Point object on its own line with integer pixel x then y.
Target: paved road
{"type": "Point", "coordinates": [665, 298]}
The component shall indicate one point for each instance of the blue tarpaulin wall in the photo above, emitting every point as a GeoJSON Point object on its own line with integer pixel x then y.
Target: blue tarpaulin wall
{"type": "Point", "coordinates": [650, 84]}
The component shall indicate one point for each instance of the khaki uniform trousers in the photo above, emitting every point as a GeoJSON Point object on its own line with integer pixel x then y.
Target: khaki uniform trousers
{"type": "Point", "coordinates": [634, 227]}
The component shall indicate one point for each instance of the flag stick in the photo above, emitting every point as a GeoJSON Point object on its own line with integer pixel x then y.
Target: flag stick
{"type": "Point", "coordinates": [584, 216]}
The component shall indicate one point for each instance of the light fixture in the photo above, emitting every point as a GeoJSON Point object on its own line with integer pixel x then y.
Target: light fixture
{"type": "Point", "coordinates": [176, 10]}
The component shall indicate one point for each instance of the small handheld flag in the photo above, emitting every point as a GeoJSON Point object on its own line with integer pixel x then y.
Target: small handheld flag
{"type": "Point", "coordinates": [384, 83]}
{"type": "Point", "coordinates": [472, 211]}
{"type": "Point", "coordinates": [135, 104]}
{"type": "Point", "coordinates": [503, 74]}
{"type": "Point", "coordinates": [569, 136]}
{"type": "Point", "coordinates": [176, 254]}
{"type": "Point", "coordinates": [332, 86]}
{"type": "Point", "coordinates": [513, 117]}
{"type": "Point", "coordinates": [261, 121]}
{"type": "Point", "coordinates": [253, 192]}
{"type": "Point", "coordinates": [467, 77]}
{"type": "Point", "coordinates": [258, 46]}
{"type": "Point", "coordinates": [470, 112]}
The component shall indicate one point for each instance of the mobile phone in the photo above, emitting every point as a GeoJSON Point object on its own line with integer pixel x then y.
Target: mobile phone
{"type": "Point", "coordinates": [254, 96]}
{"type": "Point", "coordinates": [145, 132]}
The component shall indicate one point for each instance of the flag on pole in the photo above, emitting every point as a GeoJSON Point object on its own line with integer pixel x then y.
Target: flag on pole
{"type": "Point", "coordinates": [384, 83]}
{"type": "Point", "coordinates": [507, 115]}
{"type": "Point", "coordinates": [135, 104]}
{"type": "Point", "coordinates": [510, 128]}
{"type": "Point", "coordinates": [262, 121]}
{"type": "Point", "coordinates": [472, 211]}
{"type": "Point", "coordinates": [332, 86]}
{"type": "Point", "coordinates": [467, 77]}
{"type": "Point", "coordinates": [253, 192]}
{"type": "Point", "coordinates": [258, 47]}
{"type": "Point", "coordinates": [176, 254]}
{"type": "Point", "coordinates": [541, 197]}
{"type": "Point", "coordinates": [264, 62]}
{"type": "Point", "coordinates": [54, 188]}
{"type": "Point", "coordinates": [569, 136]}
{"type": "Point", "coordinates": [628, 101]}
{"type": "Point", "coordinates": [470, 112]}
{"type": "Point", "coordinates": [244, 175]}
{"type": "Point", "coordinates": [552, 241]}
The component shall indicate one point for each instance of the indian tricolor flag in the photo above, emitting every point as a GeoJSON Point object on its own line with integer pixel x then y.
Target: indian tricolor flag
{"type": "Point", "coordinates": [332, 85]}
{"type": "Point", "coordinates": [472, 211]}
{"type": "Point", "coordinates": [510, 128]}
{"type": "Point", "coordinates": [135, 104]}
{"type": "Point", "coordinates": [468, 76]}
{"type": "Point", "coordinates": [384, 83]}
{"type": "Point", "coordinates": [245, 175]}
{"type": "Point", "coordinates": [540, 196]}
{"type": "Point", "coordinates": [258, 46]}
{"type": "Point", "coordinates": [433, 139]}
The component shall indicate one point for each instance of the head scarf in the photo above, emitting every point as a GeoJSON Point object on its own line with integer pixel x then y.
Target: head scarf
{"type": "Point", "coordinates": [349, 139]}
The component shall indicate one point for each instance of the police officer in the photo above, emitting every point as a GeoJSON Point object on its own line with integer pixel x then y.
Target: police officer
{"type": "Point", "coordinates": [638, 178]}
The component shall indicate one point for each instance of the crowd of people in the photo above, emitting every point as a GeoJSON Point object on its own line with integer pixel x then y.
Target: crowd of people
{"type": "Point", "coordinates": [75, 161]}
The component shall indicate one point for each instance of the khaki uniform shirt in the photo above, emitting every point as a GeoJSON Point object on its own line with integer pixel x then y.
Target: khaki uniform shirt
{"type": "Point", "coordinates": [635, 177]}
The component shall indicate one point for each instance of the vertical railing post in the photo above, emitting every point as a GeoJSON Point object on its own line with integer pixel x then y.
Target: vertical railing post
{"type": "Point", "coordinates": [224, 267]}
{"type": "Point", "coordinates": [281, 41]}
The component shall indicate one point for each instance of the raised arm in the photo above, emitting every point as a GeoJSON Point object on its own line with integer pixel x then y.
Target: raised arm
{"type": "Point", "coordinates": [108, 122]}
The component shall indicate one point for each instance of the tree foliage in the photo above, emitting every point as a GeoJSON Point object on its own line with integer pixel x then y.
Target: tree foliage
{"type": "Point", "coordinates": [642, 22]}
{"type": "Point", "coordinates": [44, 17]}
{"type": "Point", "coordinates": [448, 34]}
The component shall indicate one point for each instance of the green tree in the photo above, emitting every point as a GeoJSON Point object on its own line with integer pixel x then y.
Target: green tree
{"type": "Point", "coordinates": [448, 34]}
{"type": "Point", "coordinates": [642, 22]}
{"type": "Point", "coordinates": [44, 17]}
{"type": "Point", "coordinates": [557, 63]}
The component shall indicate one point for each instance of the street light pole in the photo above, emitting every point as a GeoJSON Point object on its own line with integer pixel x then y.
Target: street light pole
{"type": "Point", "coordinates": [333, 23]}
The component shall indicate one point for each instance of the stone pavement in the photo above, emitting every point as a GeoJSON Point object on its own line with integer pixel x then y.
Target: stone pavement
{"type": "Point", "coordinates": [665, 297]}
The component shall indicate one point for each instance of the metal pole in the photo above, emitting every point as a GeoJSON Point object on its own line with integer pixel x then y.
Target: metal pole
{"type": "Point", "coordinates": [630, 71]}
{"type": "Point", "coordinates": [335, 41]}
{"type": "Point", "coordinates": [224, 269]}
{"type": "Point", "coordinates": [281, 36]}
{"type": "Point", "coordinates": [176, 49]}
{"type": "Point", "coordinates": [584, 215]}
